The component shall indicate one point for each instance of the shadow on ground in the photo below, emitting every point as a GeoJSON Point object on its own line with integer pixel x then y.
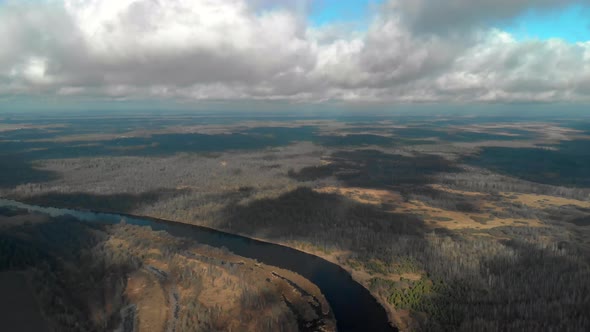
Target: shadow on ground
{"type": "Point", "coordinates": [325, 219]}
{"type": "Point", "coordinates": [376, 169]}
{"type": "Point", "coordinates": [15, 170]}
{"type": "Point", "coordinates": [124, 203]}
{"type": "Point", "coordinates": [565, 166]}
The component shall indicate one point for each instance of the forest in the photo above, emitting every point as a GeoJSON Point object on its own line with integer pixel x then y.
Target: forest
{"type": "Point", "coordinates": [453, 224]}
{"type": "Point", "coordinates": [97, 277]}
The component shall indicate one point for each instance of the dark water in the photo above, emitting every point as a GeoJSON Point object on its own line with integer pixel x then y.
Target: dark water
{"type": "Point", "coordinates": [353, 306]}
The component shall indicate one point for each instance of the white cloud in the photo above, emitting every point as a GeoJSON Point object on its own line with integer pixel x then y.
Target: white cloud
{"type": "Point", "coordinates": [239, 49]}
{"type": "Point", "coordinates": [501, 68]}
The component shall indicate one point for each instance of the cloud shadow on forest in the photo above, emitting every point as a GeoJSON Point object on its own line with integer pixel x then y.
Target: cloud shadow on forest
{"type": "Point", "coordinates": [15, 171]}
{"type": "Point", "coordinates": [124, 203]}
{"type": "Point", "coordinates": [324, 219]}
{"type": "Point", "coordinates": [376, 169]}
{"type": "Point", "coordinates": [567, 165]}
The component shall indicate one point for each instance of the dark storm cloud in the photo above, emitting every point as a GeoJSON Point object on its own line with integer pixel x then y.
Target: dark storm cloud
{"type": "Point", "coordinates": [435, 16]}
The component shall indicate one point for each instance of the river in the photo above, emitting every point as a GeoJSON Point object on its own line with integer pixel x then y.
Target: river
{"type": "Point", "coordinates": [355, 309]}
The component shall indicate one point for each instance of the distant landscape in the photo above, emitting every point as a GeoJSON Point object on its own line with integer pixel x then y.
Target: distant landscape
{"type": "Point", "coordinates": [466, 223]}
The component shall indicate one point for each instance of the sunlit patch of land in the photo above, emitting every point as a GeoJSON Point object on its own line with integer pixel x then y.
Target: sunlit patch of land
{"type": "Point", "coordinates": [221, 287]}
{"type": "Point", "coordinates": [5, 127]}
{"type": "Point", "coordinates": [364, 195]}
{"type": "Point", "coordinates": [474, 194]}
{"type": "Point", "coordinates": [144, 290]}
{"type": "Point", "coordinates": [454, 220]}
{"type": "Point", "coordinates": [433, 216]}
{"type": "Point", "coordinates": [544, 201]}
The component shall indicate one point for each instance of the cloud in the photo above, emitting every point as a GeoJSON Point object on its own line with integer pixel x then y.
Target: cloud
{"type": "Point", "coordinates": [436, 16]}
{"type": "Point", "coordinates": [262, 49]}
{"type": "Point", "coordinates": [500, 68]}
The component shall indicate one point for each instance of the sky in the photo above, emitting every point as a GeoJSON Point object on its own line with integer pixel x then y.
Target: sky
{"type": "Point", "coordinates": [106, 53]}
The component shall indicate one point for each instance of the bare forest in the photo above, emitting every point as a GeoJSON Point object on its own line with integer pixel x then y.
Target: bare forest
{"type": "Point", "coordinates": [461, 225]}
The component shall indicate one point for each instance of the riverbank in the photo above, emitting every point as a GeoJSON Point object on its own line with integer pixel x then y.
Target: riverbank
{"type": "Point", "coordinates": [124, 277]}
{"type": "Point", "coordinates": [353, 306]}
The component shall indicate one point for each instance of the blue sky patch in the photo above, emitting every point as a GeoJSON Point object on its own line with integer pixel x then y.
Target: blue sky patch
{"type": "Point", "coordinates": [342, 11]}
{"type": "Point", "coordinates": [571, 24]}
